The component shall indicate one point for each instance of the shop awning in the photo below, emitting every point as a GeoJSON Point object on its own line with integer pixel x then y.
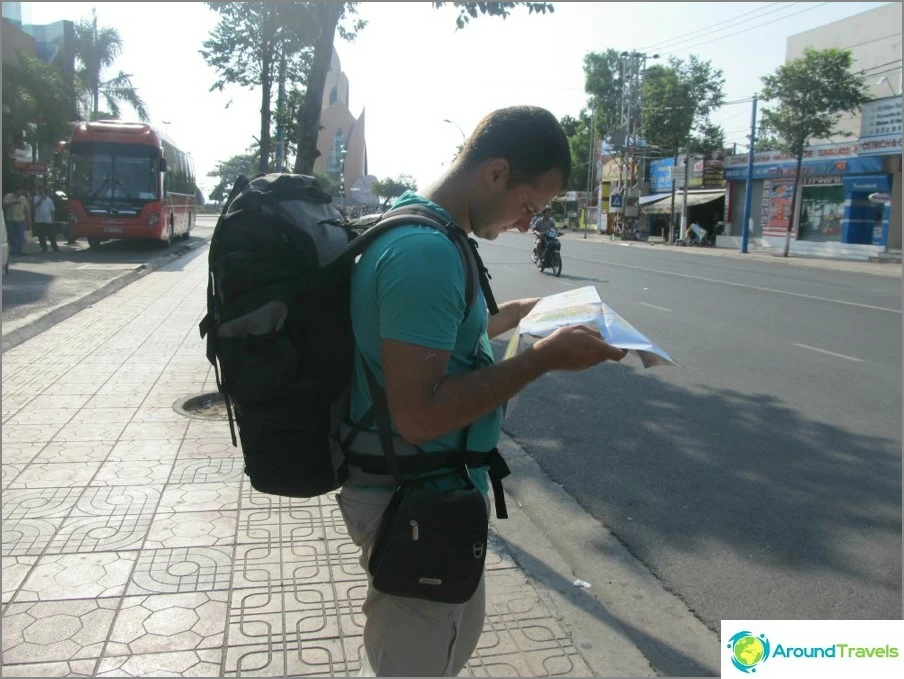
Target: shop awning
{"type": "Point", "coordinates": [649, 200]}
{"type": "Point", "coordinates": [664, 207]}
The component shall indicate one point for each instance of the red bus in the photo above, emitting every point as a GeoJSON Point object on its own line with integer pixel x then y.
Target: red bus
{"type": "Point", "coordinates": [126, 180]}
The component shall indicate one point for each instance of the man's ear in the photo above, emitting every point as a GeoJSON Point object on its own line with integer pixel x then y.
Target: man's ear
{"type": "Point", "coordinates": [496, 173]}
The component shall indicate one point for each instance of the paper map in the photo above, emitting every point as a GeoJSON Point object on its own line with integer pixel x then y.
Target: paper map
{"type": "Point", "coordinates": [583, 306]}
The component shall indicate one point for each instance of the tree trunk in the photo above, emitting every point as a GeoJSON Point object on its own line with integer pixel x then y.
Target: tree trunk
{"type": "Point", "coordinates": [328, 14]}
{"type": "Point", "coordinates": [794, 193]}
{"type": "Point", "coordinates": [266, 86]}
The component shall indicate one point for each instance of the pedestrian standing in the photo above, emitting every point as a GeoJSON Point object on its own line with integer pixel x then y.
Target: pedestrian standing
{"type": "Point", "coordinates": [43, 220]}
{"type": "Point", "coordinates": [16, 205]}
{"type": "Point", "coordinates": [429, 358]}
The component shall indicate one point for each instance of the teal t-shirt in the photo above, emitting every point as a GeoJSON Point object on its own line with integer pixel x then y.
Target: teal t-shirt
{"type": "Point", "coordinates": [409, 286]}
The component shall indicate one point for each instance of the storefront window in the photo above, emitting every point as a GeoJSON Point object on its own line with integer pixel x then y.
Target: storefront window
{"type": "Point", "coordinates": [822, 212]}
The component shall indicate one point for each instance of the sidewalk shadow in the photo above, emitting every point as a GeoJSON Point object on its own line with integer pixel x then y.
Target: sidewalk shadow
{"type": "Point", "coordinates": [667, 659]}
{"type": "Point", "coordinates": [810, 508]}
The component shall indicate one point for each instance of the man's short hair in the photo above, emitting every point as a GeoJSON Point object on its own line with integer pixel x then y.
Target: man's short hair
{"type": "Point", "coordinates": [528, 137]}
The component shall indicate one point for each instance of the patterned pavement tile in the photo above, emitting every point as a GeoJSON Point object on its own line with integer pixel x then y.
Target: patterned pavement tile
{"type": "Point", "coordinates": [129, 400]}
{"type": "Point", "coordinates": [99, 415]}
{"type": "Point", "coordinates": [199, 448]}
{"type": "Point", "coordinates": [200, 497]}
{"type": "Point", "coordinates": [158, 415]}
{"type": "Point", "coordinates": [125, 388]}
{"type": "Point", "coordinates": [41, 503]}
{"type": "Point", "coordinates": [59, 401]}
{"type": "Point", "coordinates": [69, 389]}
{"type": "Point", "coordinates": [15, 570]}
{"type": "Point", "coordinates": [257, 566]}
{"type": "Point", "coordinates": [78, 576]}
{"type": "Point", "coordinates": [187, 569]}
{"type": "Point", "coordinates": [211, 470]}
{"type": "Point", "coordinates": [192, 529]}
{"type": "Point", "coordinates": [252, 499]}
{"type": "Point", "coordinates": [169, 622]}
{"type": "Point", "coordinates": [10, 472]}
{"type": "Point", "coordinates": [90, 431]}
{"type": "Point", "coordinates": [82, 534]}
{"type": "Point", "coordinates": [131, 451]}
{"type": "Point", "coordinates": [74, 452]}
{"type": "Point", "coordinates": [20, 453]}
{"type": "Point", "coordinates": [208, 429]}
{"type": "Point", "coordinates": [138, 431]}
{"type": "Point", "coordinates": [56, 475]}
{"type": "Point", "coordinates": [290, 525]}
{"type": "Point", "coordinates": [56, 630]}
{"type": "Point", "coordinates": [73, 668]}
{"type": "Point", "coordinates": [28, 537]}
{"type": "Point", "coordinates": [29, 433]}
{"type": "Point", "coordinates": [31, 415]}
{"type": "Point", "coordinates": [317, 658]}
{"type": "Point", "coordinates": [133, 472]}
{"type": "Point", "coordinates": [202, 663]}
{"type": "Point", "coordinates": [115, 500]}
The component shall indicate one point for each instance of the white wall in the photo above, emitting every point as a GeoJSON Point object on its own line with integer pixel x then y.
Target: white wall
{"type": "Point", "coordinates": [874, 39]}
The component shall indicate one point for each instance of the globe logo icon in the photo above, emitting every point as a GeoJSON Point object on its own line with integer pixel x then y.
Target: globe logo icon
{"type": "Point", "coordinates": [748, 651]}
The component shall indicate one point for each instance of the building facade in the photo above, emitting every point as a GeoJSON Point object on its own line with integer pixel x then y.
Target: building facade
{"type": "Point", "coordinates": [873, 165]}
{"type": "Point", "coordinates": [341, 142]}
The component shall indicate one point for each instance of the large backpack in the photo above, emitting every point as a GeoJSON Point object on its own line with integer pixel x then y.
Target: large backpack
{"type": "Point", "coordinates": [279, 336]}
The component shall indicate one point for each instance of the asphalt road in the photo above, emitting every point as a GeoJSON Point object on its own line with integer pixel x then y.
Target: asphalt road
{"type": "Point", "coordinates": [762, 481]}
{"type": "Point", "coordinates": [40, 281]}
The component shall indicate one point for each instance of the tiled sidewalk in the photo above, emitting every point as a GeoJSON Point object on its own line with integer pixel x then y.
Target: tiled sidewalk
{"type": "Point", "coordinates": [133, 544]}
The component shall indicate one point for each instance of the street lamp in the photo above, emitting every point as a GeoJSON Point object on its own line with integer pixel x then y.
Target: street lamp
{"type": "Point", "coordinates": [463, 138]}
{"type": "Point", "coordinates": [884, 79]}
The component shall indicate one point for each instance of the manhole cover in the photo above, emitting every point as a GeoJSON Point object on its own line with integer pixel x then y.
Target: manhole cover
{"type": "Point", "coordinates": [210, 406]}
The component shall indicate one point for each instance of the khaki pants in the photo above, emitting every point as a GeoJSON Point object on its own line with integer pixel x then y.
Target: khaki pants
{"type": "Point", "coordinates": [402, 636]}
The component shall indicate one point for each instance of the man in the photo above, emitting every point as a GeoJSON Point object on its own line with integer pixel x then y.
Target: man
{"type": "Point", "coordinates": [16, 205]}
{"type": "Point", "coordinates": [407, 307]}
{"type": "Point", "coordinates": [541, 226]}
{"type": "Point", "coordinates": [43, 220]}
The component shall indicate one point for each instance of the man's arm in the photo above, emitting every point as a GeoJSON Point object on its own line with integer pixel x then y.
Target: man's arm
{"type": "Point", "coordinates": [509, 316]}
{"type": "Point", "coordinates": [424, 403]}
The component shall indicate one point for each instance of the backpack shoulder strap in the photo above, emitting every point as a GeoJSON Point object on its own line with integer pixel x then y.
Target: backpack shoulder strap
{"type": "Point", "coordinates": [422, 216]}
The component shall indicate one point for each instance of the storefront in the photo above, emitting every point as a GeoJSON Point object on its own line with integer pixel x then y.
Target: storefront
{"type": "Point", "coordinates": [834, 206]}
{"type": "Point", "coordinates": [880, 138]}
{"type": "Point", "coordinates": [705, 194]}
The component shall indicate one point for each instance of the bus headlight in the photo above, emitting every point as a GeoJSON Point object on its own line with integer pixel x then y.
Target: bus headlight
{"type": "Point", "coordinates": [154, 219]}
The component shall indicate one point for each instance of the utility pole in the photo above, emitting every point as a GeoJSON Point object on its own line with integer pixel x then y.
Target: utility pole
{"type": "Point", "coordinates": [748, 192]}
{"type": "Point", "coordinates": [591, 167]}
{"type": "Point", "coordinates": [672, 211]}
{"type": "Point", "coordinates": [687, 174]}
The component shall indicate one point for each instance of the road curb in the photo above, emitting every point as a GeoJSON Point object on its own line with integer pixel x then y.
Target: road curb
{"type": "Point", "coordinates": [627, 613]}
{"type": "Point", "coordinates": [31, 327]}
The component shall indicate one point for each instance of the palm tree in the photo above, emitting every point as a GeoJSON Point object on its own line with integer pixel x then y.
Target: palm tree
{"type": "Point", "coordinates": [96, 48]}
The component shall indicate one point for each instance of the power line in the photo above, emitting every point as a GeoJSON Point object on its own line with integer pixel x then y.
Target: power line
{"type": "Point", "coordinates": [867, 42]}
{"type": "Point", "coordinates": [747, 30]}
{"type": "Point", "coordinates": [865, 71]}
{"type": "Point", "coordinates": [783, 6]}
{"type": "Point", "coordinates": [662, 43]}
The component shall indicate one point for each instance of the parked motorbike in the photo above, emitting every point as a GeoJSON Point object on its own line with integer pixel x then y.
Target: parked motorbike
{"type": "Point", "coordinates": [552, 252]}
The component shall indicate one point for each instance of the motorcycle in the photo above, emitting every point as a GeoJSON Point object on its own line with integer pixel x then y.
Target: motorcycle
{"type": "Point", "coordinates": [552, 253]}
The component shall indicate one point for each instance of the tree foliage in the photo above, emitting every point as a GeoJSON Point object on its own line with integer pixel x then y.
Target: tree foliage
{"type": "Point", "coordinates": [807, 98]}
{"type": "Point", "coordinates": [253, 43]}
{"type": "Point", "coordinates": [472, 10]}
{"type": "Point", "coordinates": [96, 49]}
{"type": "Point", "coordinates": [603, 82]}
{"type": "Point", "coordinates": [37, 103]}
{"type": "Point", "coordinates": [678, 100]}
{"type": "Point", "coordinates": [390, 188]}
{"type": "Point", "coordinates": [227, 171]}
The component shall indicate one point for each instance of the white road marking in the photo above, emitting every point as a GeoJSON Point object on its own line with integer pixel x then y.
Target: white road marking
{"type": "Point", "coordinates": [733, 284]}
{"type": "Point", "coordinates": [830, 353]}
{"type": "Point", "coordinates": [653, 306]}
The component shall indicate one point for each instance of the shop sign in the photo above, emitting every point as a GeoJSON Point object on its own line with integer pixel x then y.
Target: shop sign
{"type": "Point", "coordinates": [880, 128]}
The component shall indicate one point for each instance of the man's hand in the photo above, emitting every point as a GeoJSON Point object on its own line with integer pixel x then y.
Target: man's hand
{"type": "Point", "coordinates": [575, 348]}
{"type": "Point", "coordinates": [509, 316]}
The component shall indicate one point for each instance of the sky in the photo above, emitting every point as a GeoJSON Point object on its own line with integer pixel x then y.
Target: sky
{"type": "Point", "coordinates": [411, 69]}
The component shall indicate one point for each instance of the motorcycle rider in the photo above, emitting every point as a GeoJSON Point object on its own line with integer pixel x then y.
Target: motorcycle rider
{"type": "Point", "coordinates": [541, 226]}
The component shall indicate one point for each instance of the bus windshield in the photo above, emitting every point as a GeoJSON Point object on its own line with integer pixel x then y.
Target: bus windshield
{"type": "Point", "coordinates": [113, 174]}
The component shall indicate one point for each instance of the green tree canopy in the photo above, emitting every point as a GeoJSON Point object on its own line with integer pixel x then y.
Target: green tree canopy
{"type": "Point", "coordinates": [227, 171]}
{"type": "Point", "coordinates": [96, 49]}
{"type": "Point", "coordinates": [256, 42]}
{"type": "Point", "coordinates": [805, 99]}
{"type": "Point", "coordinates": [390, 188]}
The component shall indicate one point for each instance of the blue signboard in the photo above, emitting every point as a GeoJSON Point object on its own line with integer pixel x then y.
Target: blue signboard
{"type": "Point", "coordinates": [815, 167]}
{"type": "Point", "coordinates": [660, 176]}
